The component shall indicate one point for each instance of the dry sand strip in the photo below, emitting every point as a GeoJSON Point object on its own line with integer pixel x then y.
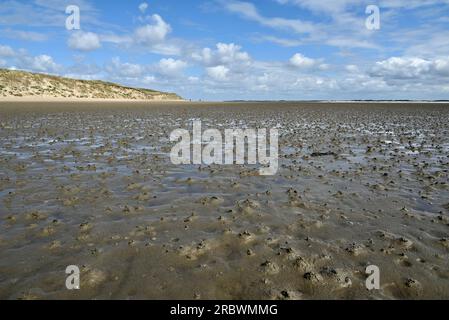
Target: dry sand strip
{"type": "Point", "coordinates": [77, 100]}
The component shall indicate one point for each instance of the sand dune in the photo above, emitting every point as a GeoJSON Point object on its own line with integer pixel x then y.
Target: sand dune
{"type": "Point", "coordinates": [26, 86]}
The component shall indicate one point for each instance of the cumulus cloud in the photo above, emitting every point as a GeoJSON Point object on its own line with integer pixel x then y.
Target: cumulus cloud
{"type": "Point", "coordinates": [148, 37]}
{"type": "Point", "coordinates": [41, 63]}
{"type": "Point", "coordinates": [224, 54]}
{"type": "Point", "coordinates": [302, 62]}
{"type": "Point", "coordinates": [84, 41]}
{"type": "Point", "coordinates": [140, 74]}
{"type": "Point", "coordinates": [151, 34]}
{"type": "Point", "coordinates": [411, 68]}
{"type": "Point", "coordinates": [21, 59]}
{"type": "Point", "coordinates": [171, 67]}
{"type": "Point", "coordinates": [225, 62]}
{"type": "Point", "coordinates": [230, 53]}
{"type": "Point", "coordinates": [218, 73]}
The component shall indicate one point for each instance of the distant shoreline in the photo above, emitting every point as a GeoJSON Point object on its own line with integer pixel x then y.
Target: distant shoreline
{"type": "Point", "coordinates": [338, 101]}
{"type": "Point", "coordinates": [29, 99]}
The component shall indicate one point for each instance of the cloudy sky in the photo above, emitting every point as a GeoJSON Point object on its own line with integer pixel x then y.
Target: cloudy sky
{"type": "Point", "coordinates": [229, 49]}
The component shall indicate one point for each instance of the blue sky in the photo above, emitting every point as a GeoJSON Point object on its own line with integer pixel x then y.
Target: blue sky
{"type": "Point", "coordinates": [226, 50]}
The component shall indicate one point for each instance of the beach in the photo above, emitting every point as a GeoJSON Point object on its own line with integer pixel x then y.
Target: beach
{"type": "Point", "coordinates": [91, 184]}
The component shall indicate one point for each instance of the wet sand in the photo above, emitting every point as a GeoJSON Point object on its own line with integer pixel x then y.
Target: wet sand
{"type": "Point", "coordinates": [91, 184]}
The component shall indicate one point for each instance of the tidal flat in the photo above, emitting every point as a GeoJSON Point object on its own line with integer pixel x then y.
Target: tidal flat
{"type": "Point", "coordinates": [92, 185]}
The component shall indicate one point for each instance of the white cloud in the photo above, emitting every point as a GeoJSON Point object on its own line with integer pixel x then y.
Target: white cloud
{"type": "Point", "coordinates": [171, 67]}
{"type": "Point", "coordinates": [280, 41]}
{"type": "Point", "coordinates": [152, 37]}
{"type": "Point", "coordinates": [352, 68]}
{"type": "Point", "coordinates": [193, 79]}
{"type": "Point", "coordinates": [338, 6]}
{"type": "Point", "coordinates": [410, 4]}
{"type": "Point", "coordinates": [151, 34]}
{"type": "Point", "coordinates": [224, 54]}
{"type": "Point", "coordinates": [168, 48]}
{"type": "Point", "coordinates": [334, 6]}
{"type": "Point", "coordinates": [302, 62]}
{"type": "Point", "coordinates": [402, 68]}
{"type": "Point", "coordinates": [341, 22]}
{"type": "Point", "coordinates": [116, 39]}
{"type": "Point", "coordinates": [230, 53]}
{"type": "Point", "coordinates": [41, 63]}
{"type": "Point", "coordinates": [228, 69]}
{"type": "Point", "coordinates": [124, 70]}
{"type": "Point", "coordinates": [347, 42]}
{"type": "Point", "coordinates": [165, 69]}
{"type": "Point", "coordinates": [23, 35]}
{"type": "Point", "coordinates": [442, 66]}
{"type": "Point", "coordinates": [83, 70]}
{"type": "Point", "coordinates": [227, 61]}
{"type": "Point", "coordinates": [406, 68]}
{"type": "Point", "coordinates": [21, 59]}
{"type": "Point", "coordinates": [218, 73]}
{"type": "Point", "coordinates": [84, 41]}
{"type": "Point", "coordinates": [424, 42]}
{"type": "Point", "coordinates": [250, 12]}
{"type": "Point", "coordinates": [6, 51]}
{"type": "Point", "coordinates": [149, 80]}
{"type": "Point", "coordinates": [143, 7]}
{"type": "Point", "coordinates": [44, 63]}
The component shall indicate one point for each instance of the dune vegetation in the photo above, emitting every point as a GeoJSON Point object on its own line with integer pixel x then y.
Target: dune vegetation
{"type": "Point", "coordinates": [14, 83]}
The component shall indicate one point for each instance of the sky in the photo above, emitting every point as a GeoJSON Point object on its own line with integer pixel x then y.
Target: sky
{"type": "Point", "coordinates": [238, 50]}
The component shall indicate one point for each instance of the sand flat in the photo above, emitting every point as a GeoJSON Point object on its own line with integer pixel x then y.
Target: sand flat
{"type": "Point", "coordinates": [90, 184]}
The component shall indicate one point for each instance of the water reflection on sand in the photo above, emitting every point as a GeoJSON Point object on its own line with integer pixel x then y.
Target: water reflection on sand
{"type": "Point", "coordinates": [92, 185]}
